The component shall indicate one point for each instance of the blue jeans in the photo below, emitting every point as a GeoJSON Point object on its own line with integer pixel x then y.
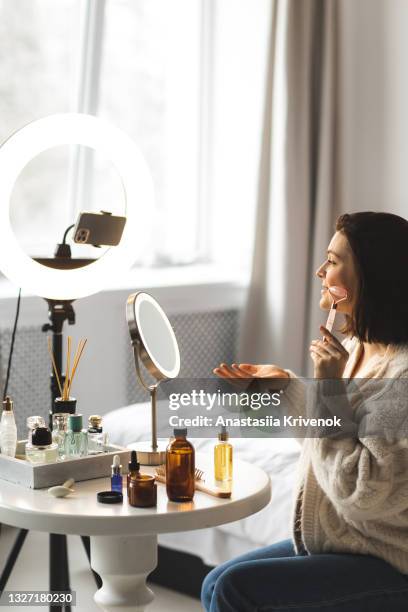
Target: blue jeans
{"type": "Point", "coordinates": [275, 578]}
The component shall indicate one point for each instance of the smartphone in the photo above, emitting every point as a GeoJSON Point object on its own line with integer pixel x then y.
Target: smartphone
{"type": "Point", "coordinates": [99, 229]}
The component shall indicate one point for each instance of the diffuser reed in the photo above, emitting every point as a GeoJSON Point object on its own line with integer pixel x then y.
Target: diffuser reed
{"type": "Point", "coordinates": [65, 389]}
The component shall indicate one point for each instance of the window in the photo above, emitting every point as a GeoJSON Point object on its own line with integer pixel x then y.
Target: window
{"type": "Point", "coordinates": [136, 64]}
{"type": "Point", "coordinates": [39, 53]}
{"type": "Point", "coordinates": [184, 78]}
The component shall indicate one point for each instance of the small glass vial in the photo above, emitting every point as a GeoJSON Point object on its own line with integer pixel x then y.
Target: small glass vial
{"type": "Point", "coordinates": [76, 438]}
{"type": "Point", "coordinates": [180, 468]}
{"type": "Point", "coordinates": [223, 457]}
{"type": "Point", "coordinates": [59, 429]}
{"type": "Point", "coordinates": [32, 423]}
{"type": "Point", "coordinates": [97, 439]}
{"type": "Point", "coordinates": [116, 477]}
{"type": "Point", "coordinates": [41, 449]}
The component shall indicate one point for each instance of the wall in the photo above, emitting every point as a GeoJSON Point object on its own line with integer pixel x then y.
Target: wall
{"type": "Point", "coordinates": [373, 105]}
{"type": "Point", "coordinates": [204, 316]}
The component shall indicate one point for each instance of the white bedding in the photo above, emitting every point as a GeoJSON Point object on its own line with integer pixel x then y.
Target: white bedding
{"type": "Point", "coordinates": [276, 456]}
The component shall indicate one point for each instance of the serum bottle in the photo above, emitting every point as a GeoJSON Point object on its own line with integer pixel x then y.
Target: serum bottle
{"type": "Point", "coordinates": [134, 469]}
{"type": "Point", "coordinates": [116, 478]}
{"type": "Point", "coordinates": [223, 457]}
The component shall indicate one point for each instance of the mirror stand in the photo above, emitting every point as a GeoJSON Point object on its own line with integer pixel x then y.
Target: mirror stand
{"type": "Point", "coordinates": [153, 453]}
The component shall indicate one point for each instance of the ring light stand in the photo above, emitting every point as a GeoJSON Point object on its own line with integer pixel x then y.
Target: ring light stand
{"type": "Point", "coordinates": [61, 289]}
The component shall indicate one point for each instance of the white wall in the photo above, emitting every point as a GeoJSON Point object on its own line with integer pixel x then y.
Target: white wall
{"type": "Point", "coordinates": [101, 383]}
{"type": "Point", "coordinates": [374, 105]}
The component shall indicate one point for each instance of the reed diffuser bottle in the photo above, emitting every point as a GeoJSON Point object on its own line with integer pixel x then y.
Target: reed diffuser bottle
{"type": "Point", "coordinates": [223, 457]}
{"type": "Point", "coordinates": [180, 467]}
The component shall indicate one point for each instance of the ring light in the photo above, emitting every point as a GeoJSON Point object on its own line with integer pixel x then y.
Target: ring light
{"type": "Point", "coordinates": [75, 129]}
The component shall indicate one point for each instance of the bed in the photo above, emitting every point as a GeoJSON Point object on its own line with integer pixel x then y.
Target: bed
{"type": "Point", "coordinates": [276, 456]}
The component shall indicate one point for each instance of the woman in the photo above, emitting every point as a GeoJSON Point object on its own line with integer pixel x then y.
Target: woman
{"type": "Point", "coordinates": [349, 546]}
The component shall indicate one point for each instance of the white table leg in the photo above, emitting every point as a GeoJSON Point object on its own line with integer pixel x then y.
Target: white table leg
{"type": "Point", "coordinates": [123, 563]}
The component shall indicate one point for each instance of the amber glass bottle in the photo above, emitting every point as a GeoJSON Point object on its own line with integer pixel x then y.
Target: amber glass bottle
{"type": "Point", "coordinates": [180, 467]}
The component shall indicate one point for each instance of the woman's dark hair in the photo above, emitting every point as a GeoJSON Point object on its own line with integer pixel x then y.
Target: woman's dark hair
{"type": "Point", "coordinates": [379, 242]}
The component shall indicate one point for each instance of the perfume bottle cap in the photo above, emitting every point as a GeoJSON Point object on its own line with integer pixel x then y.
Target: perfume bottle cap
{"type": "Point", "coordinates": [180, 432]}
{"type": "Point", "coordinates": [223, 436]}
{"type": "Point", "coordinates": [95, 420]}
{"type": "Point", "coordinates": [75, 422]}
{"type": "Point", "coordinates": [35, 421]}
{"type": "Point", "coordinates": [41, 436]}
{"type": "Point", "coordinates": [134, 465]}
{"type": "Point", "coordinates": [8, 404]}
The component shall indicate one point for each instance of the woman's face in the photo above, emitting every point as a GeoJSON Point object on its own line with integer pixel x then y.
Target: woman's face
{"type": "Point", "coordinates": [338, 270]}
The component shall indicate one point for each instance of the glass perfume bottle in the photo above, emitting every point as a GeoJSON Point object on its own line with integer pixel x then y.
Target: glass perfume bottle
{"type": "Point", "coordinates": [116, 477]}
{"type": "Point", "coordinates": [180, 467]}
{"type": "Point", "coordinates": [59, 429]}
{"type": "Point", "coordinates": [32, 423]}
{"type": "Point", "coordinates": [8, 429]}
{"type": "Point", "coordinates": [41, 449]}
{"type": "Point", "coordinates": [97, 438]}
{"type": "Point", "coordinates": [76, 438]}
{"type": "Point", "coordinates": [223, 457]}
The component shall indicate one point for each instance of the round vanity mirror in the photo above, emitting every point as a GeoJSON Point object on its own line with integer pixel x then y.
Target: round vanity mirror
{"type": "Point", "coordinates": [155, 345]}
{"type": "Point", "coordinates": [159, 350]}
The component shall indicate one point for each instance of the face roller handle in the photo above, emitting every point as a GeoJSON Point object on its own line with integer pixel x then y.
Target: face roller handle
{"type": "Point", "coordinates": [338, 294]}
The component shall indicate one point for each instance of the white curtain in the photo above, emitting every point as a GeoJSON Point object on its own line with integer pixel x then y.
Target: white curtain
{"type": "Point", "coordinates": [298, 185]}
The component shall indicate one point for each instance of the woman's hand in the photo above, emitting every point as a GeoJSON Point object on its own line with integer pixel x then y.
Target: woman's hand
{"type": "Point", "coordinates": [329, 356]}
{"type": "Point", "coordinates": [243, 374]}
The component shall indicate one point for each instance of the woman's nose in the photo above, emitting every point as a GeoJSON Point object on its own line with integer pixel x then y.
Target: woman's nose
{"type": "Point", "coordinates": [321, 272]}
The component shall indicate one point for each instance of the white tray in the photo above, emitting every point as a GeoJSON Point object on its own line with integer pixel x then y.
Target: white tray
{"type": "Point", "coordinates": [38, 476]}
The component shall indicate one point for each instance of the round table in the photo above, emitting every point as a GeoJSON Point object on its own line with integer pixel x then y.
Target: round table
{"type": "Point", "coordinates": [123, 538]}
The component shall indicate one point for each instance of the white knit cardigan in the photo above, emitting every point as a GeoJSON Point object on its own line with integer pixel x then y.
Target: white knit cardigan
{"type": "Point", "coordinates": [351, 494]}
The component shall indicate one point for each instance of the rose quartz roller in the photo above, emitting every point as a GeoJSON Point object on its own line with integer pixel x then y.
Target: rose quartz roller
{"type": "Point", "coordinates": [338, 294]}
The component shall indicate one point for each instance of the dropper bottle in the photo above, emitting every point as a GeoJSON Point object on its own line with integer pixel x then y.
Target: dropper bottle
{"type": "Point", "coordinates": [223, 457]}
{"type": "Point", "coordinates": [134, 469]}
{"type": "Point", "coordinates": [8, 429]}
{"type": "Point", "coordinates": [116, 478]}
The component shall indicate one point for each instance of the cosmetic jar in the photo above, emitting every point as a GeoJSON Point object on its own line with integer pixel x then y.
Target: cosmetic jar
{"type": "Point", "coordinates": [142, 491]}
